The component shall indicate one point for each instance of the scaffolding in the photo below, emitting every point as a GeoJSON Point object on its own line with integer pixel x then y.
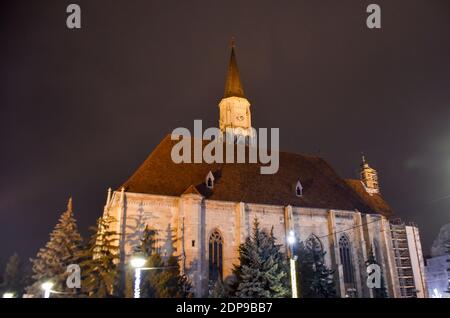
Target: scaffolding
{"type": "Point", "coordinates": [403, 260]}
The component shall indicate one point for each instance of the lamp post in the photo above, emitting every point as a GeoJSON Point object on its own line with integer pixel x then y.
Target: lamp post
{"type": "Point", "coordinates": [292, 258]}
{"type": "Point", "coordinates": [47, 287]}
{"type": "Point", "coordinates": [138, 263]}
{"type": "Point", "coordinates": [8, 295]}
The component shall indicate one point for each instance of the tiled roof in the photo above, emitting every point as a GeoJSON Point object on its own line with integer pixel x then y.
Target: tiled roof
{"type": "Point", "coordinates": [237, 182]}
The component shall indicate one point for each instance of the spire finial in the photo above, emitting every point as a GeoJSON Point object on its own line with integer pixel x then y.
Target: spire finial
{"type": "Point", "coordinates": [233, 42]}
{"type": "Point", "coordinates": [363, 158]}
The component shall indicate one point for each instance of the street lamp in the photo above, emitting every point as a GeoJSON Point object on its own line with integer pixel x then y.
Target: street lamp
{"type": "Point", "coordinates": [8, 295]}
{"type": "Point", "coordinates": [138, 263]}
{"type": "Point", "coordinates": [291, 241]}
{"type": "Point", "coordinates": [291, 238]}
{"type": "Point", "coordinates": [47, 287]}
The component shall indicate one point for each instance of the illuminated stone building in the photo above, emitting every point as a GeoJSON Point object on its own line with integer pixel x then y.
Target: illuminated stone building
{"type": "Point", "coordinates": [202, 212]}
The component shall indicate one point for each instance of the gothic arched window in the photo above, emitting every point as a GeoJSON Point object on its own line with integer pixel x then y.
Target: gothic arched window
{"type": "Point", "coordinates": [346, 260]}
{"type": "Point", "coordinates": [215, 256]}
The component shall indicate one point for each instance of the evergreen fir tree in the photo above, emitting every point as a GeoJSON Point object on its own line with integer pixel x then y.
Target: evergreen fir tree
{"type": "Point", "coordinates": [99, 267]}
{"type": "Point", "coordinates": [221, 289]}
{"type": "Point", "coordinates": [184, 287]}
{"type": "Point", "coordinates": [165, 280]}
{"type": "Point", "coordinates": [323, 285]}
{"type": "Point", "coordinates": [316, 279]}
{"type": "Point", "coordinates": [169, 280]}
{"type": "Point", "coordinates": [262, 271]}
{"type": "Point", "coordinates": [377, 292]}
{"type": "Point", "coordinates": [152, 278]}
{"type": "Point", "coordinates": [148, 242]}
{"type": "Point", "coordinates": [218, 290]}
{"type": "Point", "coordinates": [14, 277]}
{"type": "Point", "coordinates": [59, 252]}
{"type": "Point", "coordinates": [305, 272]}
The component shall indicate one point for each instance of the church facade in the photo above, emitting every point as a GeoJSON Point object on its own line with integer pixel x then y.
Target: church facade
{"type": "Point", "coordinates": [202, 212]}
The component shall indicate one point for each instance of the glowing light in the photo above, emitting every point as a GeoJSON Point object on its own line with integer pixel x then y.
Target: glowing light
{"type": "Point", "coordinates": [47, 287]}
{"type": "Point", "coordinates": [138, 262]}
{"type": "Point", "coordinates": [8, 295]}
{"type": "Point", "coordinates": [291, 238]}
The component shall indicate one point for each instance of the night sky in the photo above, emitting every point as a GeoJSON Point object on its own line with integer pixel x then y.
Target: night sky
{"type": "Point", "coordinates": [81, 109]}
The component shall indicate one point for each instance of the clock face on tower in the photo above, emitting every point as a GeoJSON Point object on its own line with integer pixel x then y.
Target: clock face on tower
{"type": "Point", "coordinates": [240, 118]}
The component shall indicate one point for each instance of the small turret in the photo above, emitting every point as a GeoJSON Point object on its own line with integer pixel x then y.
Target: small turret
{"type": "Point", "coordinates": [369, 177]}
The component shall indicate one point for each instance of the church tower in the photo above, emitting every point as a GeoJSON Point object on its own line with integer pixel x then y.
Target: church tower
{"type": "Point", "coordinates": [369, 177]}
{"type": "Point", "coordinates": [235, 118]}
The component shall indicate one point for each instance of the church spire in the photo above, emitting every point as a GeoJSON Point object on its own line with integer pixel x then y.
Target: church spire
{"type": "Point", "coordinates": [235, 120]}
{"type": "Point", "coordinates": [233, 85]}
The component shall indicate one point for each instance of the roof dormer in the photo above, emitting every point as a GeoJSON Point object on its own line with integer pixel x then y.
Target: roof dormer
{"type": "Point", "coordinates": [209, 181]}
{"type": "Point", "coordinates": [299, 189]}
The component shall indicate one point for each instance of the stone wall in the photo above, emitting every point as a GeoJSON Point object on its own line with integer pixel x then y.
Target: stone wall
{"type": "Point", "coordinates": [184, 225]}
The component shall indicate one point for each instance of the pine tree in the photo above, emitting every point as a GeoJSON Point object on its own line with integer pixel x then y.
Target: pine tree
{"type": "Point", "coordinates": [378, 292]}
{"type": "Point", "coordinates": [14, 277]}
{"type": "Point", "coordinates": [59, 252]}
{"type": "Point", "coordinates": [262, 271]}
{"type": "Point", "coordinates": [221, 289]}
{"type": "Point", "coordinates": [316, 279]}
{"type": "Point", "coordinates": [165, 280]}
{"type": "Point", "coordinates": [323, 285]}
{"type": "Point", "coordinates": [100, 257]}
{"type": "Point", "coordinates": [151, 278]}
{"type": "Point", "coordinates": [148, 242]}
{"type": "Point", "coordinates": [169, 280]}
{"type": "Point", "coordinates": [184, 287]}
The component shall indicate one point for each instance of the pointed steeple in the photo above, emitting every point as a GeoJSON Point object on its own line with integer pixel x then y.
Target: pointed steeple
{"type": "Point", "coordinates": [233, 85]}
{"type": "Point", "coordinates": [235, 121]}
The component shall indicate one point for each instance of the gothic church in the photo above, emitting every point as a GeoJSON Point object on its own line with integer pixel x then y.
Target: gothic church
{"type": "Point", "coordinates": [203, 212]}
